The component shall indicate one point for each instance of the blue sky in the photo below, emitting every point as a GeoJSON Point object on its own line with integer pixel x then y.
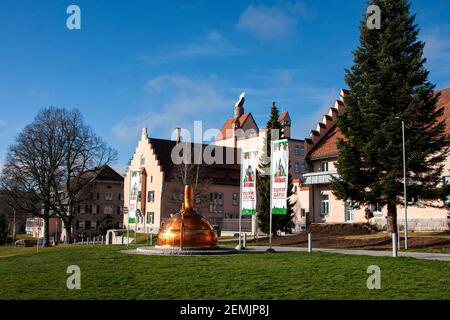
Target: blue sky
{"type": "Point", "coordinates": [164, 64]}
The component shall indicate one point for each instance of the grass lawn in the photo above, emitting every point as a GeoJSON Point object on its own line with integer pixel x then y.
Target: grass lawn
{"type": "Point", "coordinates": [108, 274]}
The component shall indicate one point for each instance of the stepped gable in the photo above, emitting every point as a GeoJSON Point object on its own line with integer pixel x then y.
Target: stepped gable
{"type": "Point", "coordinates": [325, 128]}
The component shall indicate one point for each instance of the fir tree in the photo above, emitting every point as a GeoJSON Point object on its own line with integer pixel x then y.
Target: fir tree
{"type": "Point", "coordinates": [388, 83]}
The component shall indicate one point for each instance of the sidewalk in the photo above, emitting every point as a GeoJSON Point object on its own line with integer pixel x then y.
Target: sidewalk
{"type": "Point", "coordinates": [373, 253]}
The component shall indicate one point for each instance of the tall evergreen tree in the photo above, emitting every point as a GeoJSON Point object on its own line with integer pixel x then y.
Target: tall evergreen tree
{"type": "Point", "coordinates": [279, 222]}
{"type": "Point", "coordinates": [388, 83]}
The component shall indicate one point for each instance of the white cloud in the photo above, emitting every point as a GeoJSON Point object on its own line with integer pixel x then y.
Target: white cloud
{"type": "Point", "coordinates": [271, 22]}
{"type": "Point", "coordinates": [176, 101]}
{"type": "Point", "coordinates": [212, 44]}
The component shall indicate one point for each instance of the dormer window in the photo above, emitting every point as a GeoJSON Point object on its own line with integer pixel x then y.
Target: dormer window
{"type": "Point", "coordinates": [324, 166]}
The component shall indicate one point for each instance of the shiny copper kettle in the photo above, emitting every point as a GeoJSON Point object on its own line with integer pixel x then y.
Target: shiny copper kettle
{"type": "Point", "coordinates": [187, 229]}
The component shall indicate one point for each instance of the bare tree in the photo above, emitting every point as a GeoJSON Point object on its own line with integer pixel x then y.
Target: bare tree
{"type": "Point", "coordinates": [84, 154]}
{"type": "Point", "coordinates": [51, 163]}
{"type": "Point", "coordinates": [195, 175]}
{"type": "Point", "coordinates": [32, 163]}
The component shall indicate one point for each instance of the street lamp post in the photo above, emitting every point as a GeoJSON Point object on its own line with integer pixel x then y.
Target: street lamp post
{"type": "Point", "coordinates": [405, 199]}
{"type": "Point", "coordinates": [14, 227]}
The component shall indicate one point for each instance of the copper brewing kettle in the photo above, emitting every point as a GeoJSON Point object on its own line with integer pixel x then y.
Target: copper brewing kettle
{"type": "Point", "coordinates": [187, 229]}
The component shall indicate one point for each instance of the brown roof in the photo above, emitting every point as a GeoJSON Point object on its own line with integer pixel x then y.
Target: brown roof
{"type": "Point", "coordinates": [225, 133]}
{"type": "Point", "coordinates": [327, 147]}
{"type": "Point", "coordinates": [284, 114]}
{"type": "Point", "coordinates": [227, 174]}
{"type": "Point", "coordinates": [444, 101]}
{"type": "Point", "coordinates": [105, 173]}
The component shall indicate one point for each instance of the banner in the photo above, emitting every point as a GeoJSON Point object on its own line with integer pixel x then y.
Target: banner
{"type": "Point", "coordinates": [279, 176]}
{"type": "Point", "coordinates": [248, 183]}
{"type": "Point", "coordinates": [135, 189]}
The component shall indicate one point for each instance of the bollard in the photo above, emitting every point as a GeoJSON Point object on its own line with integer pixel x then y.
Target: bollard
{"type": "Point", "coordinates": [309, 242]}
{"type": "Point", "coordinates": [394, 245]}
{"type": "Point", "coordinates": [245, 240]}
{"type": "Point", "coordinates": [151, 239]}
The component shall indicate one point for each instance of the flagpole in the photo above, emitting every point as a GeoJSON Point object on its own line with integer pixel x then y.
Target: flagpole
{"type": "Point", "coordinates": [239, 247]}
{"type": "Point", "coordinates": [270, 249]}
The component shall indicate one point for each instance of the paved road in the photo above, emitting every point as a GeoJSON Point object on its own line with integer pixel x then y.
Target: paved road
{"type": "Point", "coordinates": [417, 255]}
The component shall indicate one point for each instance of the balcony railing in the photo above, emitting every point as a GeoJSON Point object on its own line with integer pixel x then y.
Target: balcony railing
{"type": "Point", "coordinates": [322, 177]}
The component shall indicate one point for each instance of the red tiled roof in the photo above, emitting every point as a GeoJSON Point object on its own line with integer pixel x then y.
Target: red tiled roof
{"type": "Point", "coordinates": [327, 147]}
{"type": "Point", "coordinates": [225, 133]}
{"type": "Point", "coordinates": [444, 101]}
{"type": "Point", "coordinates": [283, 115]}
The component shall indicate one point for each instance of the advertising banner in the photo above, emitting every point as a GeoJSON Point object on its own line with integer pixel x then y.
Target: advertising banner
{"type": "Point", "coordinates": [248, 183]}
{"type": "Point", "coordinates": [135, 190]}
{"type": "Point", "coordinates": [279, 176]}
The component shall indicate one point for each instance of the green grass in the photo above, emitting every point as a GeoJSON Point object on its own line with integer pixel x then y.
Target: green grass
{"type": "Point", "coordinates": [108, 274]}
{"type": "Point", "coordinates": [142, 238]}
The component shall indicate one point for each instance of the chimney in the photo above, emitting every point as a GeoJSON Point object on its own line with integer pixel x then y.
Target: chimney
{"type": "Point", "coordinates": [144, 134]}
{"type": "Point", "coordinates": [177, 135]}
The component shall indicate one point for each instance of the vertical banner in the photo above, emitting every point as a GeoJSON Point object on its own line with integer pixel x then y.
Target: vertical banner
{"type": "Point", "coordinates": [135, 188]}
{"type": "Point", "coordinates": [248, 183]}
{"type": "Point", "coordinates": [279, 176]}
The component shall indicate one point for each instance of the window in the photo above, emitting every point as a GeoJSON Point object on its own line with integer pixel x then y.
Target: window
{"type": "Point", "coordinates": [324, 204]}
{"type": "Point", "coordinates": [94, 225]}
{"type": "Point", "coordinates": [299, 150]}
{"type": "Point", "coordinates": [349, 211]}
{"type": "Point", "coordinates": [216, 202]}
{"type": "Point", "coordinates": [108, 210]}
{"type": "Point", "coordinates": [198, 198]}
{"type": "Point", "coordinates": [119, 210]}
{"type": "Point", "coordinates": [324, 166]}
{"type": "Point", "coordinates": [412, 199]}
{"type": "Point", "coordinates": [142, 160]}
{"type": "Point", "coordinates": [81, 209]}
{"type": "Point", "coordinates": [81, 225]}
{"type": "Point", "coordinates": [150, 217]}
{"type": "Point", "coordinates": [377, 209]}
{"type": "Point", "coordinates": [302, 168]}
{"type": "Point", "coordinates": [151, 196]}
{"type": "Point", "coordinates": [97, 210]}
{"type": "Point", "coordinates": [98, 195]}
{"type": "Point", "coordinates": [297, 167]}
{"type": "Point", "coordinates": [139, 196]}
{"type": "Point", "coordinates": [120, 196]}
{"type": "Point", "coordinates": [235, 199]}
{"type": "Point", "coordinates": [87, 225]}
{"type": "Point", "coordinates": [303, 213]}
{"type": "Point", "coordinates": [151, 179]}
{"type": "Point", "coordinates": [108, 196]}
